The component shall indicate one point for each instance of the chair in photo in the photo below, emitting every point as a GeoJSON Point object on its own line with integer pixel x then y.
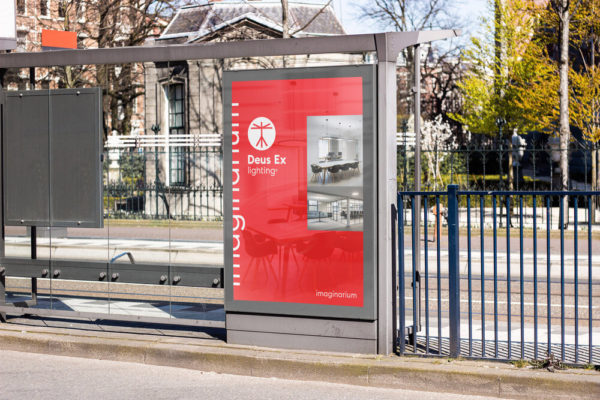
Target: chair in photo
{"type": "Point", "coordinates": [350, 244]}
{"type": "Point", "coordinates": [345, 169]}
{"type": "Point", "coordinates": [316, 173]}
{"type": "Point", "coordinates": [316, 254]}
{"type": "Point", "coordinates": [261, 250]}
{"type": "Point", "coordinates": [333, 171]}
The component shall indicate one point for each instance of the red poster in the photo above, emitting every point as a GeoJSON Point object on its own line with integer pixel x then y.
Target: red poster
{"type": "Point", "coordinates": [297, 191]}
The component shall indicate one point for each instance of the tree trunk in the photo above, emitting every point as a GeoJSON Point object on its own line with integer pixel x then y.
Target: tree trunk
{"type": "Point", "coordinates": [594, 182]}
{"type": "Point", "coordinates": [285, 22]}
{"type": "Point", "coordinates": [511, 175]}
{"type": "Point", "coordinates": [285, 25]}
{"type": "Point", "coordinates": [565, 131]}
{"type": "Point", "coordinates": [497, 46]}
{"type": "Point", "coordinates": [597, 178]}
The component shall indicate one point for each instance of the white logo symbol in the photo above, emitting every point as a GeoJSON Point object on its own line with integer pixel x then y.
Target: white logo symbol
{"type": "Point", "coordinates": [261, 133]}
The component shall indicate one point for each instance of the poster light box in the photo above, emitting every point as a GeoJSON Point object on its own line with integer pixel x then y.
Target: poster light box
{"type": "Point", "coordinates": [300, 191]}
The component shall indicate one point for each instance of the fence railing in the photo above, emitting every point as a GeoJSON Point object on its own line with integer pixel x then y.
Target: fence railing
{"type": "Point", "coordinates": [485, 291]}
{"type": "Point", "coordinates": [180, 183]}
{"type": "Point", "coordinates": [189, 180]}
{"type": "Point", "coordinates": [500, 167]}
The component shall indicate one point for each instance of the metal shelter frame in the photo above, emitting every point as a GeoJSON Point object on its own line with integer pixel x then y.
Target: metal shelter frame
{"type": "Point", "coordinates": [387, 47]}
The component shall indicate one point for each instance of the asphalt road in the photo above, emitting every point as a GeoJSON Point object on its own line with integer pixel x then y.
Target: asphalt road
{"type": "Point", "coordinates": [529, 300]}
{"type": "Point", "coordinates": [36, 376]}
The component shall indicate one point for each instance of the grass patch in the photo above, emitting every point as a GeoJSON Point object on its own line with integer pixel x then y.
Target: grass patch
{"type": "Point", "coordinates": [450, 359]}
{"type": "Point", "coordinates": [520, 363]}
{"type": "Point", "coordinates": [164, 223]}
{"type": "Point", "coordinates": [591, 367]}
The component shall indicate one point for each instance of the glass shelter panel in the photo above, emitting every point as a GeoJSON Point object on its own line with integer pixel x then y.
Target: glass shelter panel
{"type": "Point", "coordinates": [25, 180]}
{"type": "Point", "coordinates": [195, 189]}
{"type": "Point", "coordinates": [136, 207]}
{"type": "Point", "coordinates": [79, 243]}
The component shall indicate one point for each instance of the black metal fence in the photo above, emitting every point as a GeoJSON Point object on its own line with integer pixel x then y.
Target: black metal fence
{"type": "Point", "coordinates": [189, 183]}
{"type": "Point", "coordinates": [150, 184]}
{"type": "Point", "coordinates": [523, 291]}
{"type": "Point", "coordinates": [497, 165]}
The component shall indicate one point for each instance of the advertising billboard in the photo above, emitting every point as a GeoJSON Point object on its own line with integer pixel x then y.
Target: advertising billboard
{"type": "Point", "coordinates": [300, 191]}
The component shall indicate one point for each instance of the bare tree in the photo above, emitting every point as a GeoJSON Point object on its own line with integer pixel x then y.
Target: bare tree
{"type": "Point", "coordinates": [124, 23]}
{"type": "Point", "coordinates": [113, 23]}
{"type": "Point", "coordinates": [442, 71]}
{"type": "Point", "coordinates": [442, 65]}
{"type": "Point", "coordinates": [410, 15]}
{"type": "Point", "coordinates": [285, 19]}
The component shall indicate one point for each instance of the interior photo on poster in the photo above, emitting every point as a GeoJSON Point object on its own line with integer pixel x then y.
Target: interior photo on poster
{"type": "Point", "coordinates": [297, 155]}
{"type": "Point", "coordinates": [334, 159]}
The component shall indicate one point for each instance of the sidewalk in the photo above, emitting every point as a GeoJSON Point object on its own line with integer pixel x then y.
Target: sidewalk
{"type": "Point", "coordinates": [207, 351]}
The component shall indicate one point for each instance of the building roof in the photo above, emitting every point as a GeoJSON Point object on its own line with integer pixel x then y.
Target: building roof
{"type": "Point", "coordinates": [197, 22]}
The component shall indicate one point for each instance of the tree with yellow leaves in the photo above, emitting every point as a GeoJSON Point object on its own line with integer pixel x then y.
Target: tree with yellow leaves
{"type": "Point", "coordinates": [502, 62]}
{"type": "Point", "coordinates": [493, 84]}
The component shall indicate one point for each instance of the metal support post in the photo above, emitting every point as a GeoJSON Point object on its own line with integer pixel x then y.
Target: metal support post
{"type": "Point", "coordinates": [33, 228]}
{"type": "Point", "coordinates": [395, 282]}
{"type": "Point", "coordinates": [401, 284]}
{"type": "Point", "coordinates": [417, 184]}
{"type": "Point", "coordinates": [33, 232]}
{"type": "Point", "coordinates": [2, 293]}
{"type": "Point", "coordinates": [417, 117]}
{"type": "Point", "coordinates": [33, 235]}
{"type": "Point", "coordinates": [453, 271]}
{"type": "Point", "coordinates": [2, 233]}
{"type": "Point", "coordinates": [34, 291]}
{"type": "Point", "coordinates": [2, 269]}
{"type": "Point", "coordinates": [387, 187]}
{"type": "Point", "coordinates": [156, 129]}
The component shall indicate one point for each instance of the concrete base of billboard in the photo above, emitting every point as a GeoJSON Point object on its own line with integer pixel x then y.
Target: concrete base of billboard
{"type": "Point", "coordinates": [302, 333]}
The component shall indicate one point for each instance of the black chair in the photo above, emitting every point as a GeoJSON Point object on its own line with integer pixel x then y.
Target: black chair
{"type": "Point", "coordinates": [316, 172]}
{"type": "Point", "coordinates": [345, 168]}
{"type": "Point", "coordinates": [316, 253]}
{"type": "Point", "coordinates": [333, 171]}
{"type": "Point", "coordinates": [261, 251]}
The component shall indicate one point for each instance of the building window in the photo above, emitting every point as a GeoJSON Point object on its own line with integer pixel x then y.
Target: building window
{"type": "Point", "coordinates": [62, 9]}
{"type": "Point", "coordinates": [21, 6]}
{"type": "Point", "coordinates": [79, 10]}
{"type": "Point", "coordinates": [22, 39]}
{"type": "Point", "coordinates": [44, 7]}
{"type": "Point", "coordinates": [177, 155]}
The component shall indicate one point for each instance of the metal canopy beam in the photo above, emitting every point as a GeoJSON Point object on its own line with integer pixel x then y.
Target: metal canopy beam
{"type": "Point", "coordinates": [393, 42]}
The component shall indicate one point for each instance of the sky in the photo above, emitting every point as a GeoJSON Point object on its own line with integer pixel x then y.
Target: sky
{"type": "Point", "coordinates": [348, 11]}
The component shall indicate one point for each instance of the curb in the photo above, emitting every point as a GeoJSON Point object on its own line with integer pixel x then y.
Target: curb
{"type": "Point", "coordinates": [462, 377]}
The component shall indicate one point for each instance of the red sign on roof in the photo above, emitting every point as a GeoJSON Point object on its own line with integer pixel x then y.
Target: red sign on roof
{"type": "Point", "coordinates": [53, 40]}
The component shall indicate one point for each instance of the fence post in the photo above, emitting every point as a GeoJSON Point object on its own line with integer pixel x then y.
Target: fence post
{"type": "Point", "coordinates": [453, 271]}
{"type": "Point", "coordinates": [394, 280]}
{"type": "Point", "coordinates": [402, 300]}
